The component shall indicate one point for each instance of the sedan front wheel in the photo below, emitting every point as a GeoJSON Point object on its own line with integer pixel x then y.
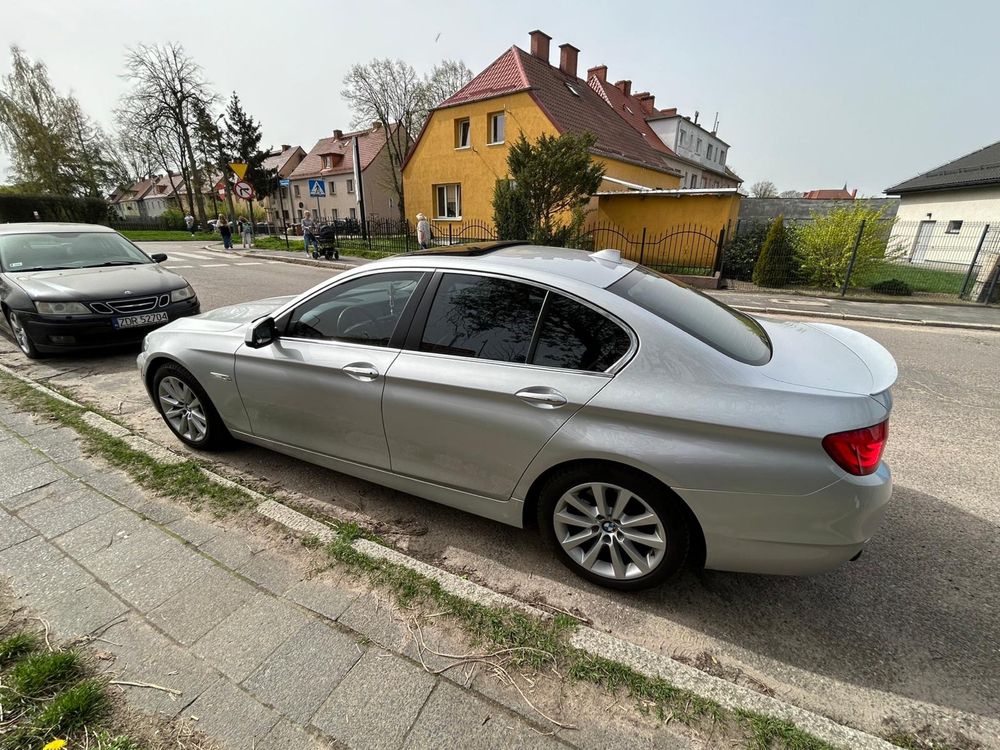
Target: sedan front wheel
{"type": "Point", "coordinates": [187, 409]}
{"type": "Point", "coordinates": [614, 527]}
{"type": "Point", "coordinates": [21, 336]}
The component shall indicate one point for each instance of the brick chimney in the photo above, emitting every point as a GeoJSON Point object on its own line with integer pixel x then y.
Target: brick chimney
{"type": "Point", "coordinates": [285, 146]}
{"type": "Point", "coordinates": [376, 124]}
{"type": "Point", "coordinates": [567, 59]}
{"type": "Point", "coordinates": [338, 134]}
{"type": "Point", "coordinates": [646, 101]}
{"type": "Point", "coordinates": [601, 71]}
{"type": "Point", "coordinates": [625, 87]}
{"type": "Point", "coordinates": [540, 44]}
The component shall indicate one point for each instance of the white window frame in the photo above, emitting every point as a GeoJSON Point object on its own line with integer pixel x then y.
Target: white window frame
{"type": "Point", "coordinates": [296, 191]}
{"type": "Point", "coordinates": [448, 190]}
{"type": "Point", "coordinates": [354, 213]}
{"type": "Point", "coordinates": [708, 151]}
{"type": "Point", "coordinates": [335, 214]}
{"type": "Point", "coordinates": [463, 127]}
{"type": "Point", "coordinates": [954, 226]}
{"type": "Point", "coordinates": [494, 117]}
{"type": "Point", "coordinates": [331, 187]}
{"type": "Point", "coordinates": [350, 186]}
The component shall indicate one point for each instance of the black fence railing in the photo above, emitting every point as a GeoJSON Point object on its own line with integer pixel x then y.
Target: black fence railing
{"type": "Point", "coordinates": [880, 257]}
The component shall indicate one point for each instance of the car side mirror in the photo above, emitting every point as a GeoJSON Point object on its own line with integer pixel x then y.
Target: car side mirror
{"type": "Point", "coordinates": [261, 333]}
{"type": "Point", "coordinates": [158, 257]}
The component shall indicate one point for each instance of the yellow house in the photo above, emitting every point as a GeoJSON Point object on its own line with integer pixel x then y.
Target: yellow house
{"type": "Point", "coordinates": [452, 169]}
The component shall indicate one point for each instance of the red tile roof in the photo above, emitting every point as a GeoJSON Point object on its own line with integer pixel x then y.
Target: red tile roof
{"type": "Point", "coordinates": [630, 110]}
{"type": "Point", "coordinates": [370, 142]}
{"type": "Point", "coordinates": [826, 195]}
{"type": "Point", "coordinates": [578, 111]}
{"type": "Point", "coordinates": [277, 158]}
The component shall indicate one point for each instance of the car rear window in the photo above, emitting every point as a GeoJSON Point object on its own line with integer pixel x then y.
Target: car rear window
{"type": "Point", "coordinates": [729, 331]}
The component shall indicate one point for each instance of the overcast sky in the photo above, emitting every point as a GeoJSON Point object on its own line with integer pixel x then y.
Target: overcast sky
{"type": "Point", "coordinates": [809, 94]}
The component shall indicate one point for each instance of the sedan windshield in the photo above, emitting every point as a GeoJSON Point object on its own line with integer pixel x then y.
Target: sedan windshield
{"type": "Point", "coordinates": [49, 251]}
{"type": "Point", "coordinates": [731, 332]}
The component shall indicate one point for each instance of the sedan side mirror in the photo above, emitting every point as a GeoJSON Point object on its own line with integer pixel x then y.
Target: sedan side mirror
{"type": "Point", "coordinates": [261, 333]}
{"type": "Point", "coordinates": [158, 257]}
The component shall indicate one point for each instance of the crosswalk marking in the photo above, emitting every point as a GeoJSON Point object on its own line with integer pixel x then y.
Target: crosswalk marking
{"type": "Point", "coordinates": [188, 255]}
{"type": "Point", "coordinates": [173, 266]}
{"type": "Point", "coordinates": [253, 263]}
{"type": "Point", "coordinates": [213, 265]}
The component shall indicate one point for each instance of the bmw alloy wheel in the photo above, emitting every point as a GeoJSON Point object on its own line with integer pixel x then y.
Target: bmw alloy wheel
{"type": "Point", "coordinates": [182, 409]}
{"type": "Point", "coordinates": [609, 531]}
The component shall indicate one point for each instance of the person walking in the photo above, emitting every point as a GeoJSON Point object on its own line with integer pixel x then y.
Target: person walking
{"type": "Point", "coordinates": [247, 232]}
{"type": "Point", "coordinates": [423, 232]}
{"type": "Point", "coordinates": [309, 230]}
{"type": "Point", "coordinates": [189, 223]}
{"type": "Point", "coordinates": [226, 231]}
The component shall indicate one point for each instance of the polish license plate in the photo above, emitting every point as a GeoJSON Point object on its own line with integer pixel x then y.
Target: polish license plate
{"type": "Point", "coordinates": [138, 321]}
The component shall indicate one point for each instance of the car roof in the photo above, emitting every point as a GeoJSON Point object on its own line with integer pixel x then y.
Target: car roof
{"type": "Point", "coordinates": [41, 227]}
{"type": "Point", "coordinates": [601, 269]}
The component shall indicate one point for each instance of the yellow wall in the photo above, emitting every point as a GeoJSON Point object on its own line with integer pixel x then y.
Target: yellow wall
{"type": "Point", "coordinates": [436, 161]}
{"type": "Point", "coordinates": [681, 230]}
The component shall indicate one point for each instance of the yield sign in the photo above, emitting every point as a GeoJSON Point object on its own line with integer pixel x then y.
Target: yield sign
{"type": "Point", "coordinates": [239, 167]}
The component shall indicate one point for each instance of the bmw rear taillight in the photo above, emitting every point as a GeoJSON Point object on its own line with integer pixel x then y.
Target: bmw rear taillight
{"type": "Point", "coordinates": [858, 451]}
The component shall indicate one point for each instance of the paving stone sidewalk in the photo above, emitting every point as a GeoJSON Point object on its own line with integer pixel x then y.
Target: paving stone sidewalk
{"type": "Point", "coordinates": [263, 656]}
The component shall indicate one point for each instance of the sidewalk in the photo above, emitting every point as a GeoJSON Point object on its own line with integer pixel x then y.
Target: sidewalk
{"type": "Point", "coordinates": [265, 646]}
{"type": "Point", "coordinates": [763, 303]}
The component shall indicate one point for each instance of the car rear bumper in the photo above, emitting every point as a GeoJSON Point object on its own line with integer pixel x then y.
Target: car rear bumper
{"type": "Point", "coordinates": [93, 331]}
{"type": "Point", "coordinates": [791, 535]}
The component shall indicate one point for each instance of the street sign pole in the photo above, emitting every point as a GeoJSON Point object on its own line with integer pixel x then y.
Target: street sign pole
{"type": "Point", "coordinates": [283, 183]}
{"type": "Point", "coordinates": [359, 186]}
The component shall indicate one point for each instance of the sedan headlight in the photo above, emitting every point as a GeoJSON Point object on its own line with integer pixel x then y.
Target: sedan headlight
{"type": "Point", "coordinates": [179, 295]}
{"type": "Point", "coordinates": [62, 308]}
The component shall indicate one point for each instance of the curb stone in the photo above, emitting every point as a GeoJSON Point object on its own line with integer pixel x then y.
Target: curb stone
{"type": "Point", "coordinates": [866, 318]}
{"type": "Point", "coordinates": [587, 639]}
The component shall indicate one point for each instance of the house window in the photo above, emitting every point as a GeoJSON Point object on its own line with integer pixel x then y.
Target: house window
{"type": "Point", "coordinates": [496, 121]}
{"type": "Point", "coordinates": [354, 213]}
{"type": "Point", "coordinates": [462, 133]}
{"type": "Point", "coordinates": [697, 149]}
{"type": "Point", "coordinates": [297, 191]}
{"type": "Point", "coordinates": [694, 181]}
{"type": "Point", "coordinates": [449, 201]}
{"type": "Point", "coordinates": [327, 161]}
{"type": "Point", "coordinates": [336, 215]}
{"type": "Point", "coordinates": [954, 226]}
{"type": "Point", "coordinates": [350, 186]}
{"type": "Point", "coordinates": [722, 157]}
{"type": "Point", "coordinates": [331, 187]}
{"type": "Point", "coordinates": [708, 152]}
{"type": "Point", "coordinates": [682, 134]}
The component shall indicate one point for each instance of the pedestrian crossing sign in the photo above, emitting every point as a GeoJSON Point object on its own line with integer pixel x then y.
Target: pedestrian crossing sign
{"type": "Point", "coordinates": [317, 188]}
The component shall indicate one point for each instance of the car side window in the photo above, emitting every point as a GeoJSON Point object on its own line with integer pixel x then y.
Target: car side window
{"type": "Point", "coordinates": [360, 311]}
{"type": "Point", "coordinates": [577, 337]}
{"type": "Point", "coordinates": [482, 317]}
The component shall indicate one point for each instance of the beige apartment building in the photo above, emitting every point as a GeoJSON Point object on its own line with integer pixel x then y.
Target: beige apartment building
{"type": "Point", "coordinates": [331, 161]}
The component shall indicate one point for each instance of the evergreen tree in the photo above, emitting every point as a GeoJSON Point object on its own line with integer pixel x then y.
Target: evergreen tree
{"type": "Point", "coordinates": [242, 141]}
{"type": "Point", "coordinates": [774, 264]}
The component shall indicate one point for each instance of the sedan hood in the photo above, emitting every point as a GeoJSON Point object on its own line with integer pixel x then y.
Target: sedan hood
{"type": "Point", "coordinates": [244, 312]}
{"type": "Point", "coordinates": [829, 357]}
{"type": "Point", "coordinates": [91, 284]}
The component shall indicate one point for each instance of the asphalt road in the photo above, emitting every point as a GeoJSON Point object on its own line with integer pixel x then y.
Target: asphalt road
{"type": "Point", "coordinates": [910, 630]}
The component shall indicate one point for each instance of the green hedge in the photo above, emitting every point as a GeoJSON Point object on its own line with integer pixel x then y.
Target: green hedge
{"type": "Point", "coordinates": [16, 207]}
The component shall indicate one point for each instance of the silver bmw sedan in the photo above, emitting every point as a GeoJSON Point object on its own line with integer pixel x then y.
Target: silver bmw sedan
{"type": "Point", "coordinates": [639, 423]}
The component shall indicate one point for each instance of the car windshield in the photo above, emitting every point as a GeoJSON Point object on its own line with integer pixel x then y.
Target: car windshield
{"type": "Point", "coordinates": [731, 332]}
{"type": "Point", "coordinates": [47, 251]}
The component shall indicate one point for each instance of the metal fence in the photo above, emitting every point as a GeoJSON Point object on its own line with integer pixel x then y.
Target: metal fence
{"type": "Point", "coordinates": [958, 259]}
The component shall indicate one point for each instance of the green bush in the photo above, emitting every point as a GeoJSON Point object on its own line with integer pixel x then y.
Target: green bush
{"type": "Point", "coordinates": [18, 207]}
{"type": "Point", "coordinates": [894, 287]}
{"type": "Point", "coordinates": [774, 267]}
{"type": "Point", "coordinates": [511, 212]}
{"type": "Point", "coordinates": [172, 218]}
{"type": "Point", "coordinates": [824, 245]}
{"type": "Point", "coordinates": [742, 251]}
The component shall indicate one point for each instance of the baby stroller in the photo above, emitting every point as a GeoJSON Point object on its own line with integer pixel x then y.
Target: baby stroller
{"type": "Point", "coordinates": [327, 238]}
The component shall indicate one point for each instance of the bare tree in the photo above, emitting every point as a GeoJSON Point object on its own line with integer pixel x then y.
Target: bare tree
{"type": "Point", "coordinates": [391, 93]}
{"type": "Point", "coordinates": [764, 189]}
{"type": "Point", "coordinates": [168, 90]}
{"type": "Point", "coordinates": [790, 194]}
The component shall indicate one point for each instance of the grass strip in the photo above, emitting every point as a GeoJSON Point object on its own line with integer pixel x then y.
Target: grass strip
{"type": "Point", "coordinates": [16, 646]}
{"type": "Point", "coordinates": [182, 481]}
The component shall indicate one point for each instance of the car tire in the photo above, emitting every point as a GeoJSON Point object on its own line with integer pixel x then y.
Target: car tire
{"type": "Point", "coordinates": [198, 424]}
{"type": "Point", "coordinates": [21, 336]}
{"type": "Point", "coordinates": [614, 526]}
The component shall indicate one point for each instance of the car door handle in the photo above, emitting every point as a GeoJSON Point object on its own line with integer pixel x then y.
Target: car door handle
{"type": "Point", "coordinates": [543, 398]}
{"type": "Point", "coordinates": [361, 371]}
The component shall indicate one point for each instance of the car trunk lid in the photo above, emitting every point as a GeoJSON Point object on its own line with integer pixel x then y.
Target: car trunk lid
{"type": "Point", "coordinates": [828, 357]}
